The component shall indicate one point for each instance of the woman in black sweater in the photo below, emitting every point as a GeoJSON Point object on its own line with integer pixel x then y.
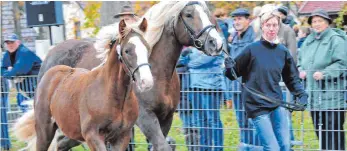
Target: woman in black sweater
{"type": "Point", "coordinates": [261, 65]}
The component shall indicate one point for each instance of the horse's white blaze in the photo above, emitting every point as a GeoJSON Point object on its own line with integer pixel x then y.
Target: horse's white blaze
{"type": "Point", "coordinates": [205, 22]}
{"type": "Point", "coordinates": [141, 51]}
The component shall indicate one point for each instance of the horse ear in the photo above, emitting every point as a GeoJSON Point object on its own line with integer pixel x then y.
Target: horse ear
{"type": "Point", "coordinates": [122, 25]}
{"type": "Point", "coordinates": [143, 25]}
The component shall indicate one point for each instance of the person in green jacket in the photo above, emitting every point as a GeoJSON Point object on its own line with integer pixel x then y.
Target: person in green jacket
{"type": "Point", "coordinates": [322, 63]}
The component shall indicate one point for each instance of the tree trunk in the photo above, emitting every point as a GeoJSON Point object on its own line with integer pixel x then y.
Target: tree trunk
{"type": "Point", "coordinates": [16, 15]}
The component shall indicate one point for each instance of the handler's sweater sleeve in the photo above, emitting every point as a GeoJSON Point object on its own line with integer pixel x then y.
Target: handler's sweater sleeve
{"type": "Point", "coordinates": [241, 67]}
{"type": "Point", "coordinates": [290, 75]}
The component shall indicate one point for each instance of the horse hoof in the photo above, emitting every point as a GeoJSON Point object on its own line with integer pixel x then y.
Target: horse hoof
{"type": "Point", "coordinates": [172, 142]}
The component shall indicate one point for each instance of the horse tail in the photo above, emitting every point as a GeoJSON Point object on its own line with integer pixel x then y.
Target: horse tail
{"type": "Point", "coordinates": [24, 128]}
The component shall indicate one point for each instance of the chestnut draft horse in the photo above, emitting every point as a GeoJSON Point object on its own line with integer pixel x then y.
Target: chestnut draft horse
{"type": "Point", "coordinates": [95, 106]}
{"type": "Point", "coordinates": [171, 25]}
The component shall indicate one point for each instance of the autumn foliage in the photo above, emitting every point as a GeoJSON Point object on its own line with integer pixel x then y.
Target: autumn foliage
{"type": "Point", "coordinates": [92, 16]}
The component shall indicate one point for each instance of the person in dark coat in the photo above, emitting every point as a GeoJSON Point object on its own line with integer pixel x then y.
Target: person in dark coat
{"type": "Point", "coordinates": [286, 18]}
{"type": "Point", "coordinates": [262, 64]}
{"type": "Point", "coordinates": [18, 60]}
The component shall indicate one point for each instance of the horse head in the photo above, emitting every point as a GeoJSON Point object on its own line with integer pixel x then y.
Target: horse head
{"type": "Point", "coordinates": [133, 52]}
{"type": "Point", "coordinates": [194, 27]}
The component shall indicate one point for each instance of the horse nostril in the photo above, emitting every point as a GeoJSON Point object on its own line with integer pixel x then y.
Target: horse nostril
{"type": "Point", "coordinates": [143, 83]}
{"type": "Point", "coordinates": [211, 41]}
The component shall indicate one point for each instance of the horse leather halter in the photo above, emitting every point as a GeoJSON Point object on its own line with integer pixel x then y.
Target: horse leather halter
{"type": "Point", "coordinates": [120, 57]}
{"type": "Point", "coordinates": [194, 38]}
{"type": "Point", "coordinates": [290, 106]}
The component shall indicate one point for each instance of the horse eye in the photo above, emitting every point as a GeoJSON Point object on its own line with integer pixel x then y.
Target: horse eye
{"type": "Point", "coordinates": [127, 51]}
{"type": "Point", "coordinates": [189, 15]}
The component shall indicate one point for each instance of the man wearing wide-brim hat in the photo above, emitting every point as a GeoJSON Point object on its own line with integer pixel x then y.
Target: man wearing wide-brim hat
{"type": "Point", "coordinates": [322, 61]}
{"type": "Point", "coordinates": [127, 14]}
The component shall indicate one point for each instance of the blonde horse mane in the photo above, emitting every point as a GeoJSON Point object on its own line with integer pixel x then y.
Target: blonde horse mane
{"type": "Point", "coordinates": [159, 14]}
{"type": "Point", "coordinates": [156, 17]}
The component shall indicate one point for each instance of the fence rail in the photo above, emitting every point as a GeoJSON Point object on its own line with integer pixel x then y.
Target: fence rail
{"type": "Point", "coordinates": [224, 104]}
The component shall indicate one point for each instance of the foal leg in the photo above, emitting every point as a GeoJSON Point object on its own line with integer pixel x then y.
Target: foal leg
{"type": "Point", "coordinates": [94, 139]}
{"type": "Point", "coordinates": [149, 125]}
{"type": "Point", "coordinates": [65, 143]}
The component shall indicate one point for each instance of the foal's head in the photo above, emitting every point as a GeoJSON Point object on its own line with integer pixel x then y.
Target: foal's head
{"type": "Point", "coordinates": [133, 52]}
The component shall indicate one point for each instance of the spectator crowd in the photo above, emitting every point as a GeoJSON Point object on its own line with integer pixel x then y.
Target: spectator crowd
{"type": "Point", "coordinates": [266, 47]}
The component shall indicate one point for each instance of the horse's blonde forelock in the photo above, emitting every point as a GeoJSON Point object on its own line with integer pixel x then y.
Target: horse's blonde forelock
{"type": "Point", "coordinates": [110, 33]}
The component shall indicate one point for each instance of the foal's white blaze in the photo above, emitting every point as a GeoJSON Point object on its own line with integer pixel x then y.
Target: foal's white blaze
{"type": "Point", "coordinates": [146, 78]}
{"type": "Point", "coordinates": [205, 22]}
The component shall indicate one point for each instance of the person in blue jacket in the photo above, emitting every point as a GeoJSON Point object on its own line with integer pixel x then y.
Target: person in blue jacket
{"type": "Point", "coordinates": [18, 60]}
{"type": "Point", "coordinates": [185, 107]}
{"type": "Point", "coordinates": [5, 143]}
{"type": "Point", "coordinates": [206, 83]}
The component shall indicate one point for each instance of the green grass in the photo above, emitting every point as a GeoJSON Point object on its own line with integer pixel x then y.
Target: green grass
{"type": "Point", "coordinates": [231, 132]}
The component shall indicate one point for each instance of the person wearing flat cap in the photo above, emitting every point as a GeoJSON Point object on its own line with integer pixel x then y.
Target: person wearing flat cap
{"type": "Point", "coordinates": [127, 14]}
{"type": "Point", "coordinates": [243, 36]}
{"type": "Point", "coordinates": [18, 60]}
{"type": "Point", "coordinates": [321, 59]}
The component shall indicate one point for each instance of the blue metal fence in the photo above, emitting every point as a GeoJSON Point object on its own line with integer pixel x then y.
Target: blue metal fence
{"type": "Point", "coordinates": [214, 118]}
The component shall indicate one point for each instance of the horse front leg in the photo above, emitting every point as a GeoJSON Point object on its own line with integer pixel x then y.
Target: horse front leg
{"type": "Point", "coordinates": [94, 140]}
{"type": "Point", "coordinates": [65, 143]}
{"type": "Point", "coordinates": [149, 125]}
{"type": "Point", "coordinates": [165, 128]}
{"type": "Point", "coordinates": [121, 142]}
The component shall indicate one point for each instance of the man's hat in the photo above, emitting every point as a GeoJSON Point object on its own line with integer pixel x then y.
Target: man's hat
{"type": "Point", "coordinates": [283, 10]}
{"type": "Point", "coordinates": [11, 37]}
{"type": "Point", "coordinates": [240, 12]}
{"type": "Point", "coordinates": [126, 10]}
{"type": "Point", "coordinates": [321, 13]}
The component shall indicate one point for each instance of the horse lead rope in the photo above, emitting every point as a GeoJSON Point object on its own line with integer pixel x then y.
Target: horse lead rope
{"type": "Point", "coordinates": [290, 106]}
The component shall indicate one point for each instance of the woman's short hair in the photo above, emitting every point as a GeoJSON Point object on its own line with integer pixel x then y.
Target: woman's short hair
{"type": "Point", "coordinates": [268, 15]}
